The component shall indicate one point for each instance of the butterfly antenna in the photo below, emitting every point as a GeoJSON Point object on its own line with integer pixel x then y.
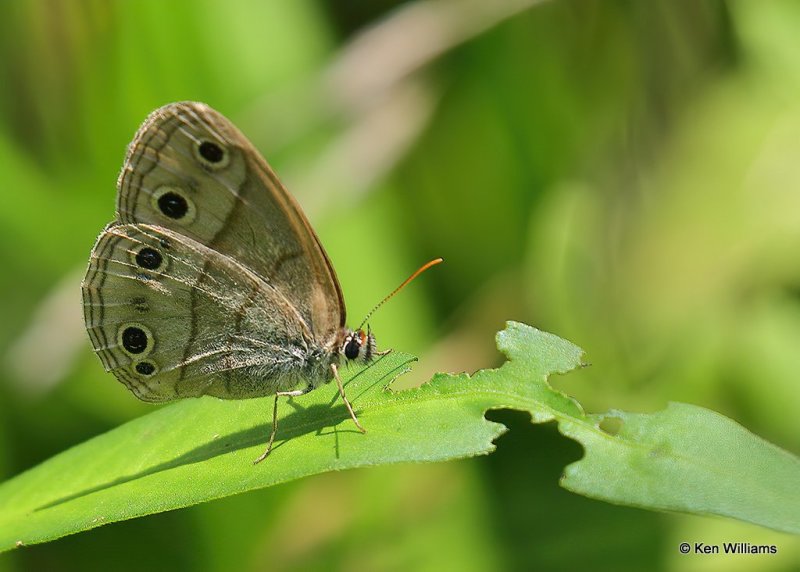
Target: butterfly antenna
{"type": "Point", "coordinates": [419, 271]}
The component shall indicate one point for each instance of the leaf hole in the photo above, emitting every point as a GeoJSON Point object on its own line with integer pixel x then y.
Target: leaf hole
{"type": "Point", "coordinates": [611, 425]}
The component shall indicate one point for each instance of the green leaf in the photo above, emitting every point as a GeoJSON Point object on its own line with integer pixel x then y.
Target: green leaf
{"type": "Point", "coordinates": [689, 459]}
{"type": "Point", "coordinates": [684, 458]}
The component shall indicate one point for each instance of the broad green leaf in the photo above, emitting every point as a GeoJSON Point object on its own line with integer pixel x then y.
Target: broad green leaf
{"type": "Point", "coordinates": [684, 458]}
{"type": "Point", "coordinates": [689, 459]}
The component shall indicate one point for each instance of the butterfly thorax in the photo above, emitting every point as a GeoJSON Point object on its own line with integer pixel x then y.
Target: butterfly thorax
{"type": "Point", "coordinates": [313, 369]}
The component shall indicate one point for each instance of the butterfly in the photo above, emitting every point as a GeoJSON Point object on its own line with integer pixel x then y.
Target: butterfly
{"type": "Point", "coordinates": [211, 281]}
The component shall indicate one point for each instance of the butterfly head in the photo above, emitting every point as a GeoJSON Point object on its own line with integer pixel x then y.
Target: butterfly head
{"type": "Point", "coordinates": [358, 345]}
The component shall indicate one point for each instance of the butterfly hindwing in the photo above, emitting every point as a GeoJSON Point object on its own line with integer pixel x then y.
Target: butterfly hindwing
{"type": "Point", "coordinates": [173, 318]}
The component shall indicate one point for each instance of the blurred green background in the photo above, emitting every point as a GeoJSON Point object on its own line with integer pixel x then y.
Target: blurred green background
{"type": "Point", "coordinates": [623, 174]}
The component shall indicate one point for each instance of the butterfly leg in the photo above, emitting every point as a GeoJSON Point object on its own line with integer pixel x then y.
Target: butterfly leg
{"type": "Point", "coordinates": [275, 421]}
{"type": "Point", "coordinates": [344, 398]}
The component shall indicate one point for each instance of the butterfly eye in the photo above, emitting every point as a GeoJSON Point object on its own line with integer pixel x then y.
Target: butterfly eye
{"type": "Point", "coordinates": [174, 204]}
{"type": "Point", "coordinates": [352, 347]}
{"type": "Point", "coordinates": [135, 339]}
{"type": "Point", "coordinates": [211, 154]}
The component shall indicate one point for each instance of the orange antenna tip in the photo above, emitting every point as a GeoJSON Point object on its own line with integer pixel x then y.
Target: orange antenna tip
{"type": "Point", "coordinates": [419, 271]}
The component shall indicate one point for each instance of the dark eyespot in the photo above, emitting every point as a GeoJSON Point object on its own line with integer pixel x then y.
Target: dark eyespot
{"type": "Point", "coordinates": [134, 340]}
{"type": "Point", "coordinates": [145, 368]}
{"type": "Point", "coordinates": [211, 152]}
{"type": "Point", "coordinates": [352, 348]}
{"type": "Point", "coordinates": [149, 258]}
{"type": "Point", "coordinates": [173, 205]}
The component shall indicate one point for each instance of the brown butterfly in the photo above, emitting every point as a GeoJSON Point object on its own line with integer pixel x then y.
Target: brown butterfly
{"type": "Point", "coordinates": [211, 280]}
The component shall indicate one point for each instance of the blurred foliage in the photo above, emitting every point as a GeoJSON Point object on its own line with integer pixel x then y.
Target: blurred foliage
{"type": "Point", "coordinates": [620, 173]}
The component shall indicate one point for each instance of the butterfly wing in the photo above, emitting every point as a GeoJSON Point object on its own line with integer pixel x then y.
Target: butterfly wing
{"type": "Point", "coordinates": [173, 318]}
{"type": "Point", "coordinates": [192, 171]}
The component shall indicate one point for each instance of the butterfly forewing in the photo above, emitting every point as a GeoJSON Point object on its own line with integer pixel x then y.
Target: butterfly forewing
{"type": "Point", "coordinates": [192, 171]}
